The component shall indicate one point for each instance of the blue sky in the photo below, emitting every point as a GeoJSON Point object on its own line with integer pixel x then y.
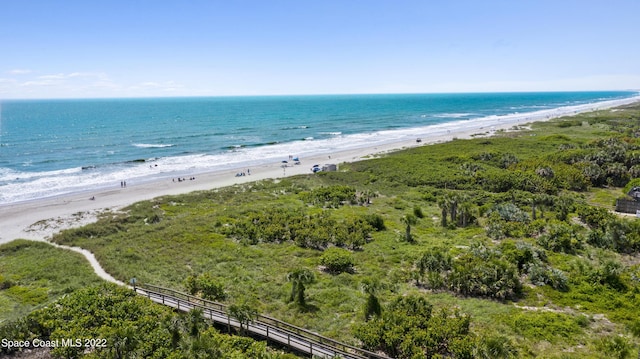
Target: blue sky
{"type": "Point", "coordinates": [140, 48]}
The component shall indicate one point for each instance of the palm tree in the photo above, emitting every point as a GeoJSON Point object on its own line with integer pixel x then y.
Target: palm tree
{"type": "Point", "coordinates": [124, 340]}
{"type": "Point", "coordinates": [408, 220]}
{"type": "Point", "coordinates": [470, 169]}
{"type": "Point", "coordinates": [564, 205]}
{"type": "Point", "coordinates": [370, 287]}
{"type": "Point", "coordinates": [545, 172]}
{"type": "Point", "coordinates": [617, 172]}
{"type": "Point", "coordinates": [300, 278]}
{"type": "Point", "coordinates": [174, 326]}
{"type": "Point", "coordinates": [496, 347]}
{"type": "Point", "coordinates": [195, 322]}
{"type": "Point", "coordinates": [443, 203]}
{"type": "Point", "coordinates": [203, 347]}
{"type": "Point", "coordinates": [433, 262]}
{"type": "Point", "coordinates": [453, 199]}
{"type": "Point", "coordinates": [465, 210]}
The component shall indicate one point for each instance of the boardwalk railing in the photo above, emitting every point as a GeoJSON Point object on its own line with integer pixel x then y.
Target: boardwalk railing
{"type": "Point", "coordinates": [272, 329]}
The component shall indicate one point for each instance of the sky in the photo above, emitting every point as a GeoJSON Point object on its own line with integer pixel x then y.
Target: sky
{"type": "Point", "coordinates": [156, 48]}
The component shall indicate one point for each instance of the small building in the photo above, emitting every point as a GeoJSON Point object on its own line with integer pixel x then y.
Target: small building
{"type": "Point", "coordinates": [631, 205]}
{"type": "Point", "coordinates": [330, 168]}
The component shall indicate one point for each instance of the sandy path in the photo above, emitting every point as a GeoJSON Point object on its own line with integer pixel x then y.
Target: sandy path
{"type": "Point", "coordinates": [99, 271]}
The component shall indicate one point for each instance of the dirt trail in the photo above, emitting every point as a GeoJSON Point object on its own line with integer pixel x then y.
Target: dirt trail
{"type": "Point", "coordinates": [98, 270]}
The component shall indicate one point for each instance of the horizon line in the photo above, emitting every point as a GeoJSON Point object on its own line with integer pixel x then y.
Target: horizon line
{"type": "Point", "coordinates": [313, 95]}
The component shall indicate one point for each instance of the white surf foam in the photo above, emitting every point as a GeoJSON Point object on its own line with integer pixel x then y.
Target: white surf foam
{"type": "Point", "coordinates": [22, 185]}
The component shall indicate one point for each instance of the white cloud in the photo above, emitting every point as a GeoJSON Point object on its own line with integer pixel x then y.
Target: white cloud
{"type": "Point", "coordinates": [98, 75]}
{"type": "Point", "coordinates": [149, 84]}
{"type": "Point", "coordinates": [19, 72]}
{"type": "Point", "coordinates": [78, 84]}
{"type": "Point", "coordinates": [36, 83]}
{"type": "Point", "coordinates": [52, 77]}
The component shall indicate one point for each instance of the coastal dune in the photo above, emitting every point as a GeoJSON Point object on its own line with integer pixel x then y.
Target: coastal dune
{"type": "Point", "coordinates": [40, 219]}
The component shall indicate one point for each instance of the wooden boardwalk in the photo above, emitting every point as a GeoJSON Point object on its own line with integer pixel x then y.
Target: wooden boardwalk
{"type": "Point", "coordinates": [298, 339]}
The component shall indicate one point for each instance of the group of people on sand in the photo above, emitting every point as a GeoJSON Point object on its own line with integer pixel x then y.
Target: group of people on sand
{"type": "Point", "coordinates": [243, 173]}
{"type": "Point", "coordinates": [123, 184]}
{"type": "Point", "coordinates": [184, 179]}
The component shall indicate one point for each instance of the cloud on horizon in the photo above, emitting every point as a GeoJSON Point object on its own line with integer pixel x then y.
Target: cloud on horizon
{"type": "Point", "coordinates": [81, 85]}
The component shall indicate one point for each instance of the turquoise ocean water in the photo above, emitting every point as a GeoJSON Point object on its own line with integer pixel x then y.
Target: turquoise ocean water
{"type": "Point", "coordinates": [52, 147]}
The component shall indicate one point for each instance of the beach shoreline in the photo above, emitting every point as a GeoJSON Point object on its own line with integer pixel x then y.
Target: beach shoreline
{"type": "Point", "coordinates": [39, 219]}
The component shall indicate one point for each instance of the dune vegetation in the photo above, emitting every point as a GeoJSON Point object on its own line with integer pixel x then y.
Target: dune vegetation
{"type": "Point", "coordinates": [501, 246]}
{"type": "Point", "coordinates": [34, 274]}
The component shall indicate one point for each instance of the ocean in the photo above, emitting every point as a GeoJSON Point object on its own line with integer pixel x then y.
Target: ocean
{"type": "Point", "coordinates": [53, 147]}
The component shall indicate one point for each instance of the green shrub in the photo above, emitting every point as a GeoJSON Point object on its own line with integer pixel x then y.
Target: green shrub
{"type": "Point", "coordinates": [304, 227]}
{"type": "Point", "coordinates": [206, 286]}
{"type": "Point", "coordinates": [494, 180]}
{"type": "Point", "coordinates": [608, 273]}
{"type": "Point", "coordinates": [614, 346]}
{"type": "Point", "coordinates": [5, 283]}
{"type": "Point", "coordinates": [521, 253]}
{"type": "Point", "coordinates": [375, 221]}
{"type": "Point", "coordinates": [507, 160]}
{"type": "Point", "coordinates": [499, 228]}
{"type": "Point", "coordinates": [132, 326]}
{"type": "Point", "coordinates": [634, 327]}
{"type": "Point", "coordinates": [432, 267]}
{"type": "Point", "coordinates": [490, 277]}
{"type": "Point", "coordinates": [633, 183]}
{"type": "Point", "coordinates": [617, 234]}
{"type": "Point", "coordinates": [595, 217]}
{"type": "Point", "coordinates": [542, 275]}
{"type": "Point", "coordinates": [331, 196]}
{"type": "Point", "coordinates": [511, 213]}
{"type": "Point", "coordinates": [496, 347]}
{"type": "Point", "coordinates": [417, 211]}
{"type": "Point", "coordinates": [337, 260]}
{"type": "Point", "coordinates": [538, 274]}
{"type": "Point", "coordinates": [409, 328]}
{"type": "Point", "coordinates": [569, 123]}
{"type": "Point", "coordinates": [552, 327]}
{"type": "Point", "coordinates": [561, 237]}
{"type": "Point", "coordinates": [558, 280]}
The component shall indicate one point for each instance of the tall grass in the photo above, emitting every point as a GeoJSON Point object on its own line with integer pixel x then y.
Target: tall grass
{"type": "Point", "coordinates": [34, 274]}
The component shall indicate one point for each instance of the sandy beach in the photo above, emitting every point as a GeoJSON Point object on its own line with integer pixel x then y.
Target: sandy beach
{"type": "Point", "coordinates": [40, 219]}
